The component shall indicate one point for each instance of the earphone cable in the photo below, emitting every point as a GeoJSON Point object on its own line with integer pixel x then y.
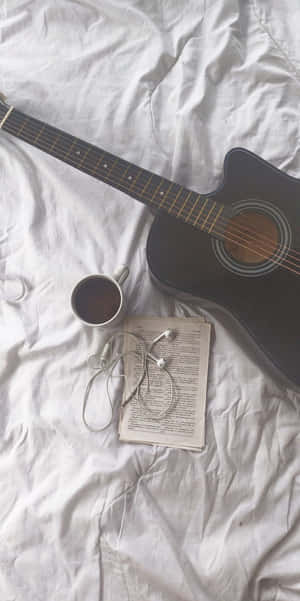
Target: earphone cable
{"type": "Point", "coordinates": [109, 366]}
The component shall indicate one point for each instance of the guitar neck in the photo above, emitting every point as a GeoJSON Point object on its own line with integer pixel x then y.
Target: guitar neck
{"type": "Point", "coordinates": [203, 212]}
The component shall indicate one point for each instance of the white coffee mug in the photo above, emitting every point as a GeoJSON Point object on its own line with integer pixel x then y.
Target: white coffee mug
{"type": "Point", "coordinates": [98, 301]}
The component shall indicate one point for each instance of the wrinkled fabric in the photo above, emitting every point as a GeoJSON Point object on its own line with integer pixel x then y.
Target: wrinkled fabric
{"type": "Point", "coordinates": [171, 86]}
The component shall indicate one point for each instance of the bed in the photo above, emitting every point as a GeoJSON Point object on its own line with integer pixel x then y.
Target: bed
{"type": "Point", "coordinates": [170, 86]}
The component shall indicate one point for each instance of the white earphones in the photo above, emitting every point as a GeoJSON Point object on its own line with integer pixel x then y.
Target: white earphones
{"type": "Point", "coordinates": [107, 363]}
{"type": "Point", "coordinates": [160, 362]}
{"type": "Point", "coordinates": [169, 334]}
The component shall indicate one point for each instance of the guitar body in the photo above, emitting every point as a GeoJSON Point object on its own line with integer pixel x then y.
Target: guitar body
{"type": "Point", "coordinates": [266, 303]}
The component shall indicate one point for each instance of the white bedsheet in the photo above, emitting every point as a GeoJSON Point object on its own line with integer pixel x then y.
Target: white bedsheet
{"type": "Point", "coordinates": [171, 85]}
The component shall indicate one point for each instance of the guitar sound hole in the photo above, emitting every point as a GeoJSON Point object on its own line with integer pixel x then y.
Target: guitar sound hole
{"type": "Point", "coordinates": [251, 237]}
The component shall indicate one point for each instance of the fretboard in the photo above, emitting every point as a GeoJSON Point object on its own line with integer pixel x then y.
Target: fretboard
{"type": "Point", "coordinates": [202, 212]}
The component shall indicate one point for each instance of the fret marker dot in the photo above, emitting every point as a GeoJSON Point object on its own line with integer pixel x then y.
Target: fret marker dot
{"type": "Point", "coordinates": [105, 165]}
{"type": "Point", "coordinates": [129, 176]}
{"type": "Point", "coordinates": [161, 193]}
{"type": "Point", "coordinates": [77, 151]}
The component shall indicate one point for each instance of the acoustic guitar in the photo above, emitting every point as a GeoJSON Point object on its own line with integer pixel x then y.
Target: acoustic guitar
{"type": "Point", "coordinates": [238, 246]}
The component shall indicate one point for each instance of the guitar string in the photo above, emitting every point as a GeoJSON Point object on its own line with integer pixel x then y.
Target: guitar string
{"type": "Point", "coordinates": [258, 236]}
{"type": "Point", "coordinates": [38, 130]}
{"type": "Point", "coordinates": [235, 240]}
{"type": "Point", "coordinates": [208, 225]}
{"type": "Point", "coordinates": [232, 230]}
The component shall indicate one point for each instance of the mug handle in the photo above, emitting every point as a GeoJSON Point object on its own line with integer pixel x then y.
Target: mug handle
{"type": "Point", "coordinates": [121, 274]}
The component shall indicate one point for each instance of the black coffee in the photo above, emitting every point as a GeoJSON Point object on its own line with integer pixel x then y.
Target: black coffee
{"type": "Point", "coordinates": [97, 300]}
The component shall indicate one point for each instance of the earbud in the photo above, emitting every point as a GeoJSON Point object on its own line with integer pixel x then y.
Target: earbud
{"type": "Point", "coordinates": [108, 361]}
{"type": "Point", "coordinates": [169, 334]}
{"type": "Point", "coordinates": [160, 362]}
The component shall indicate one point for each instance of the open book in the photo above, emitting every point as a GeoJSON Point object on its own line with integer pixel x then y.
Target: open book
{"type": "Point", "coordinates": [187, 363]}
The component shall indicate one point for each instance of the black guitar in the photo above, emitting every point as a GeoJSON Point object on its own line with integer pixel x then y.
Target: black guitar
{"type": "Point", "coordinates": [238, 246]}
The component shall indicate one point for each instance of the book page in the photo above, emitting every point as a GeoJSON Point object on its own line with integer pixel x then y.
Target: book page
{"type": "Point", "coordinates": [187, 362]}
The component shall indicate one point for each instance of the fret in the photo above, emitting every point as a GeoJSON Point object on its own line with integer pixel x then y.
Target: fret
{"type": "Point", "coordinates": [83, 159]}
{"type": "Point", "coordinates": [207, 216]}
{"type": "Point", "coordinates": [115, 168]}
{"type": "Point", "coordinates": [124, 166]}
{"type": "Point", "coordinates": [186, 199]}
{"type": "Point", "coordinates": [165, 192]}
{"type": "Point", "coordinates": [127, 167]}
{"type": "Point", "coordinates": [22, 126]}
{"type": "Point", "coordinates": [94, 171]}
{"type": "Point", "coordinates": [147, 183]}
{"type": "Point", "coordinates": [133, 183]}
{"type": "Point", "coordinates": [143, 185]}
{"type": "Point", "coordinates": [170, 209]}
{"type": "Point", "coordinates": [70, 149]}
{"type": "Point", "coordinates": [39, 133]}
{"type": "Point", "coordinates": [129, 177]}
{"type": "Point", "coordinates": [86, 157]}
{"type": "Point", "coordinates": [151, 185]}
{"type": "Point", "coordinates": [109, 167]}
{"type": "Point", "coordinates": [81, 155]}
{"type": "Point", "coordinates": [45, 138]}
{"type": "Point", "coordinates": [109, 172]}
{"type": "Point", "coordinates": [78, 152]}
{"type": "Point", "coordinates": [192, 207]}
{"type": "Point", "coordinates": [164, 195]}
{"type": "Point", "coordinates": [99, 163]}
{"type": "Point", "coordinates": [199, 214]}
{"type": "Point", "coordinates": [54, 143]}
{"type": "Point", "coordinates": [31, 131]}
{"type": "Point", "coordinates": [89, 160]}
{"type": "Point", "coordinates": [23, 135]}
{"type": "Point", "coordinates": [216, 218]}
{"type": "Point", "coordinates": [157, 190]}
